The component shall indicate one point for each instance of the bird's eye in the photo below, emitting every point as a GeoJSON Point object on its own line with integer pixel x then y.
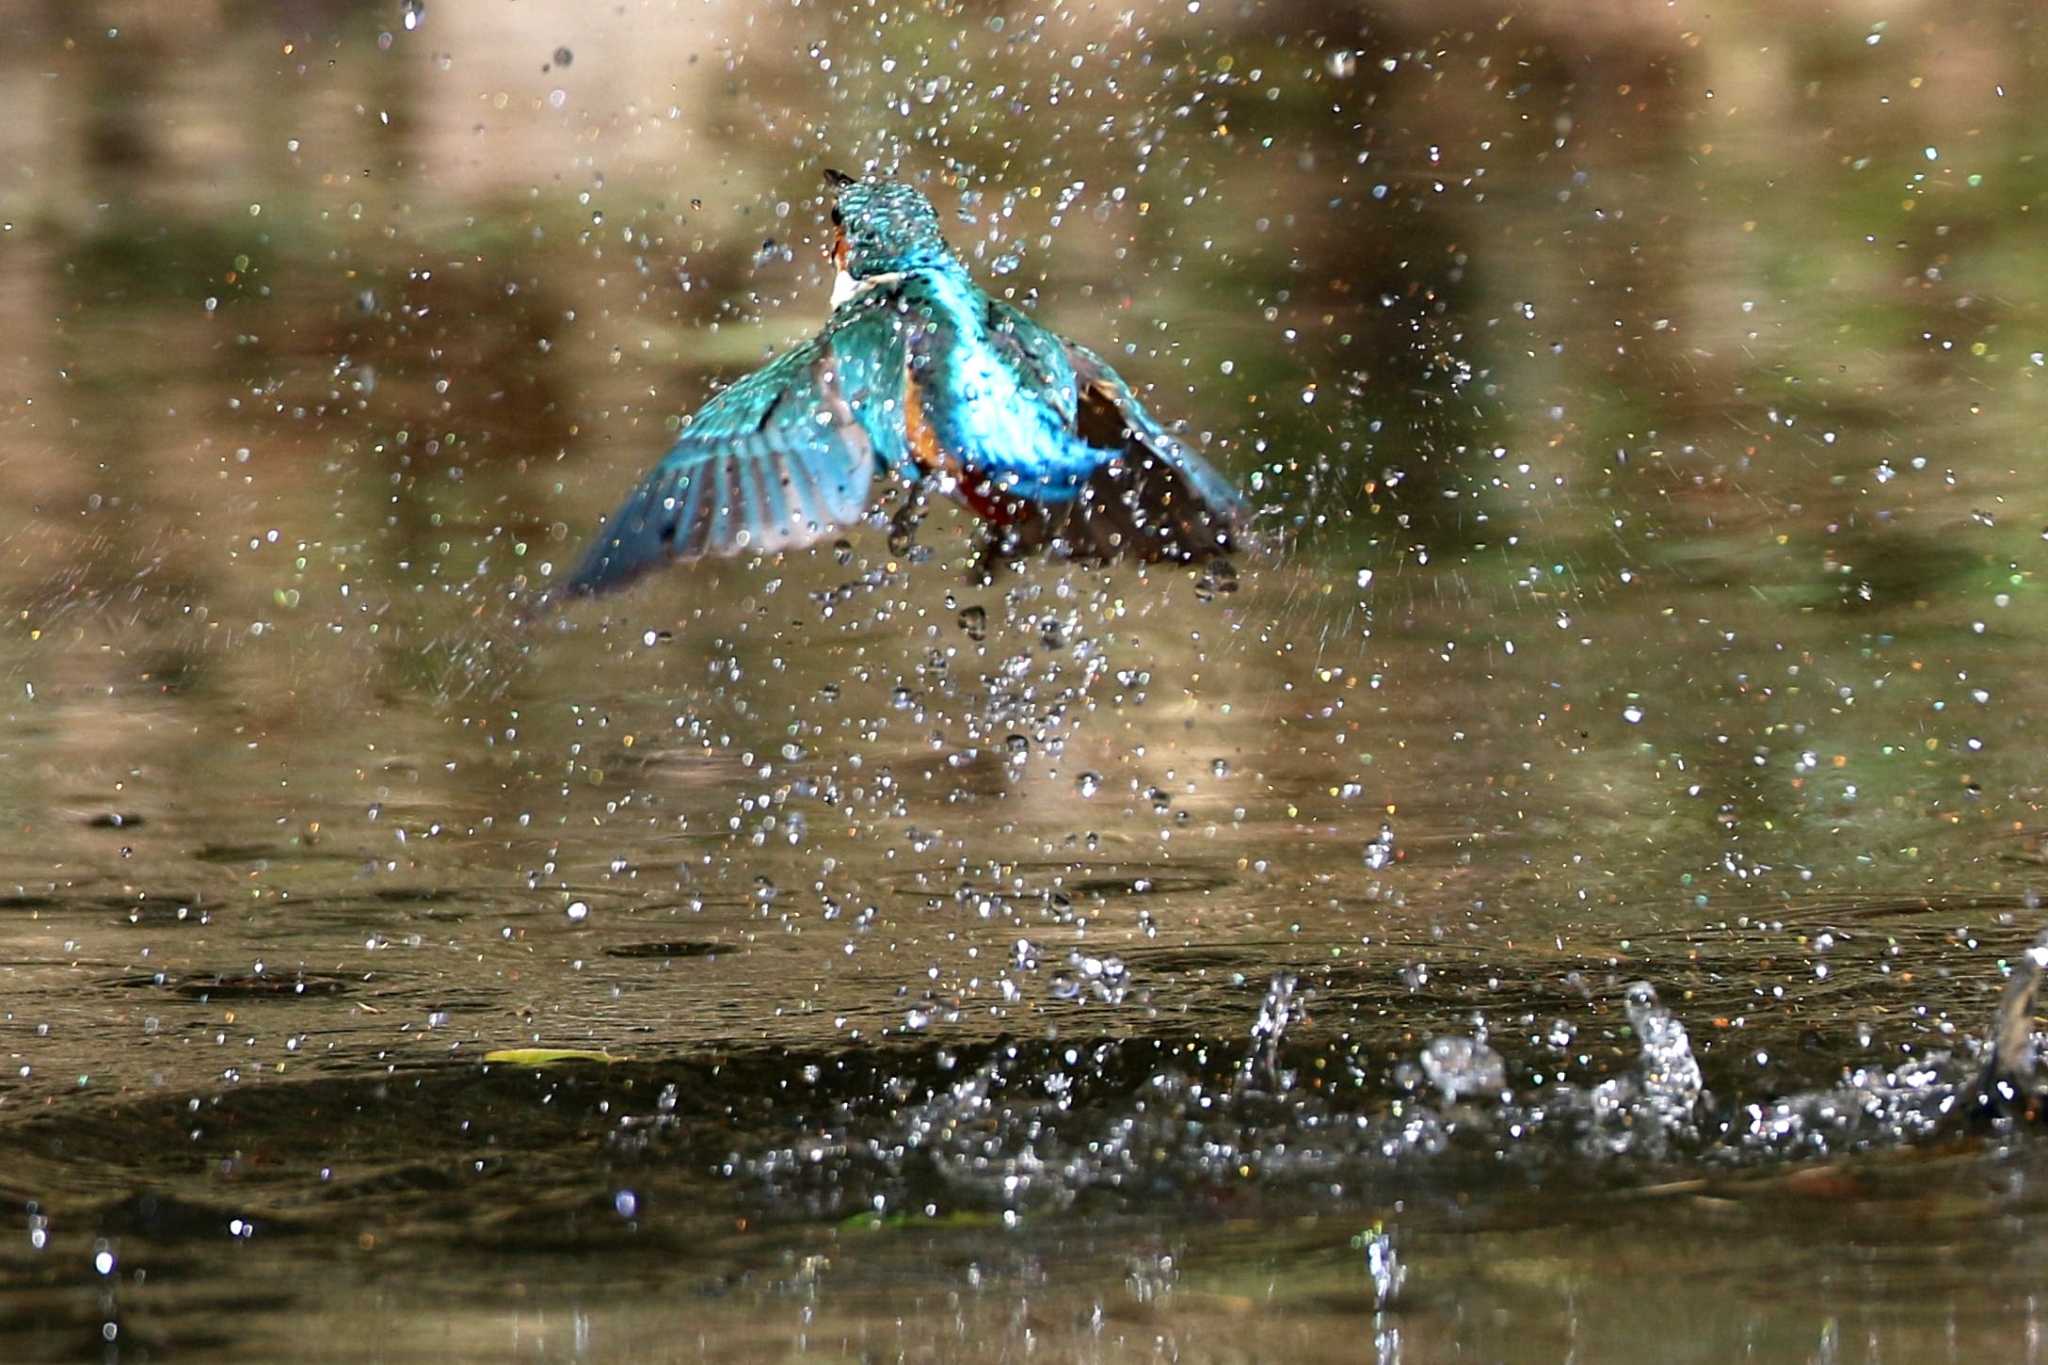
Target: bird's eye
{"type": "Point", "coordinates": [838, 219]}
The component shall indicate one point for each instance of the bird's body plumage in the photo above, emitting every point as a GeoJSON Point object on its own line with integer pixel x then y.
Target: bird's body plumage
{"type": "Point", "coordinates": [919, 375]}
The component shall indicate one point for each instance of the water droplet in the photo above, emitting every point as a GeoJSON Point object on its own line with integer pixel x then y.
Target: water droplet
{"type": "Point", "coordinates": [1382, 1267]}
{"type": "Point", "coordinates": [1462, 1067]}
{"type": "Point", "coordinates": [1380, 853]}
{"type": "Point", "coordinates": [1277, 1012]}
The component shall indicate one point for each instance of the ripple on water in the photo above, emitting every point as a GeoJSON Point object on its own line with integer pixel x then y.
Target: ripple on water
{"type": "Point", "coordinates": [227, 854]}
{"type": "Point", "coordinates": [243, 985]}
{"type": "Point", "coordinates": [1101, 881]}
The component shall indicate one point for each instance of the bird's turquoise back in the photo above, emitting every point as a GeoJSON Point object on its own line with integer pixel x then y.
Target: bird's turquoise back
{"type": "Point", "coordinates": [1004, 412]}
{"type": "Point", "coordinates": [1007, 395]}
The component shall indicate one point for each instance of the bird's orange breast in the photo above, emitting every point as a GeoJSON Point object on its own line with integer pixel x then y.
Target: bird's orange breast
{"type": "Point", "coordinates": [931, 455]}
{"type": "Point", "coordinates": [918, 432]}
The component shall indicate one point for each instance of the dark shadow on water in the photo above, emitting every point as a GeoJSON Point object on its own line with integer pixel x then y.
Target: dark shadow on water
{"type": "Point", "coordinates": [245, 986]}
{"type": "Point", "coordinates": [673, 948]}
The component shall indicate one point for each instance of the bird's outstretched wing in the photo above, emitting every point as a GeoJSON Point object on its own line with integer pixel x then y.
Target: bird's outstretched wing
{"type": "Point", "coordinates": [1151, 497]}
{"type": "Point", "coordinates": [775, 462]}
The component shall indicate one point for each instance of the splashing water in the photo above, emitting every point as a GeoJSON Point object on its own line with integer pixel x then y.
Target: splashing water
{"type": "Point", "coordinates": [1383, 1266]}
{"type": "Point", "coordinates": [1277, 1011]}
{"type": "Point", "coordinates": [1670, 1073]}
{"type": "Point", "coordinates": [1030, 1127]}
{"type": "Point", "coordinates": [1646, 1110]}
{"type": "Point", "coordinates": [1106, 979]}
{"type": "Point", "coordinates": [1464, 1068]}
{"type": "Point", "coordinates": [2009, 1083]}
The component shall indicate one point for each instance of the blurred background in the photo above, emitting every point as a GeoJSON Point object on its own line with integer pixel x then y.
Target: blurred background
{"type": "Point", "coordinates": [1640, 403]}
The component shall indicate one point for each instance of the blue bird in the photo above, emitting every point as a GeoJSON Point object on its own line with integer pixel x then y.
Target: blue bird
{"type": "Point", "coordinates": [921, 377]}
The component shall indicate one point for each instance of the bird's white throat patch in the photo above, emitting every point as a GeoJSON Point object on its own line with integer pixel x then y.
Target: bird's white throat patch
{"type": "Point", "coordinates": [845, 286]}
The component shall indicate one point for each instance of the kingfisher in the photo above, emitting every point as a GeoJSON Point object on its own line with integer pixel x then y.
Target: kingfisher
{"type": "Point", "coordinates": [920, 379]}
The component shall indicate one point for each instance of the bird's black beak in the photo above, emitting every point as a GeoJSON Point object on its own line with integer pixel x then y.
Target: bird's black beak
{"type": "Point", "coordinates": [838, 180]}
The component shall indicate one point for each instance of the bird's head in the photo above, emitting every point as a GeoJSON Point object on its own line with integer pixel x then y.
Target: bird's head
{"type": "Point", "coordinates": [883, 226]}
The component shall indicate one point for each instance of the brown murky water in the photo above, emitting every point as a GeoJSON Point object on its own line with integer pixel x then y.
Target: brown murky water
{"type": "Point", "coordinates": [1104, 964]}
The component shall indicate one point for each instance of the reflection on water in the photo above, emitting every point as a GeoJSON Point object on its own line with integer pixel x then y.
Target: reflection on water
{"type": "Point", "coordinates": [1587, 843]}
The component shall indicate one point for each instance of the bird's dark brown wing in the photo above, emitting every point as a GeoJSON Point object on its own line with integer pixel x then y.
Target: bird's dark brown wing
{"type": "Point", "coordinates": [1151, 499]}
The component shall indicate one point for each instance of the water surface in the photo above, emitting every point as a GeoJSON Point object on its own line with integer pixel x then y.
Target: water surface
{"type": "Point", "coordinates": [1549, 903]}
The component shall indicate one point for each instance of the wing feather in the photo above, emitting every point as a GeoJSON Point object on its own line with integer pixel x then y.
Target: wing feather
{"type": "Point", "coordinates": [777, 461]}
{"type": "Point", "coordinates": [1150, 496]}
